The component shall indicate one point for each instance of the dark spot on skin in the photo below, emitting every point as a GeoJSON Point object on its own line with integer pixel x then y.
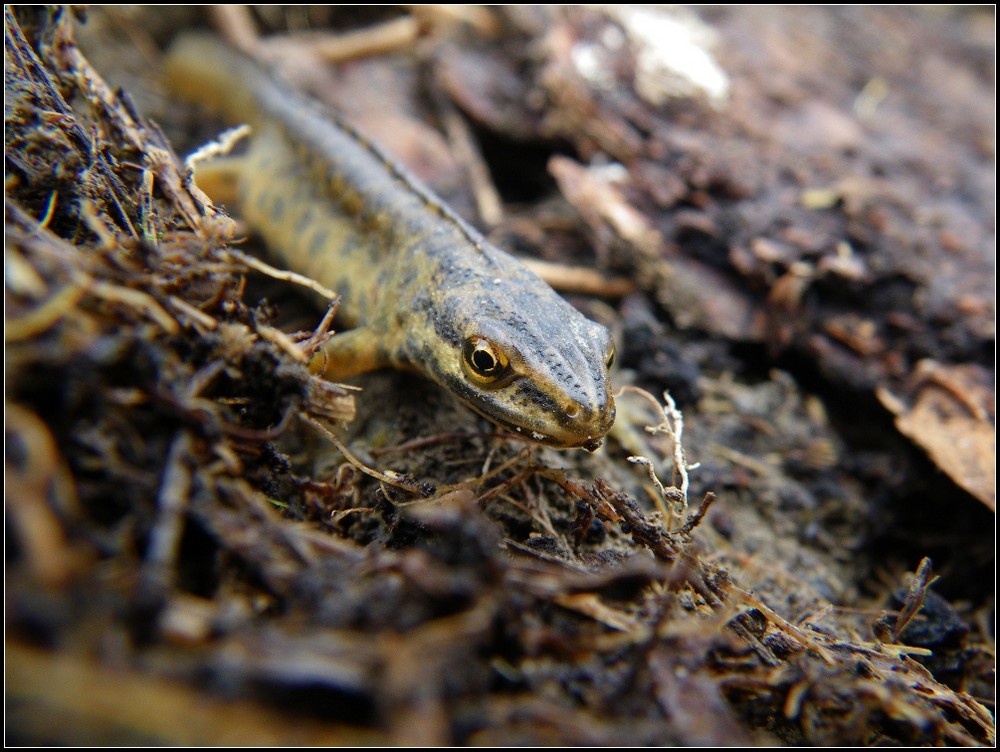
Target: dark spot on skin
{"type": "Point", "coordinates": [344, 289]}
{"type": "Point", "coordinates": [336, 182]}
{"type": "Point", "coordinates": [445, 328]}
{"type": "Point", "coordinates": [445, 322]}
{"type": "Point", "coordinates": [416, 226]}
{"type": "Point", "coordinates": [528, 392]}
{"type": "Point", "coordinates": [352, 203]}
{"type": "Point", "coordinates": [422, 303]}
{"type": "Point", "coordinates": [278, 208]}
{"type": "Point", "coordinates": [318, 242]}
{"type": "Point", "coordinates": [256, 198]}
{"type": "Point", "coordinates": [372, 222]}
{"type": "Point", "coordinates": [412, 347]}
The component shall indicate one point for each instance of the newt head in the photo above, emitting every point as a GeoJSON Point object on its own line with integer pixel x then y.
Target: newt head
{"type": "Point", "coordinates": [528, 361]}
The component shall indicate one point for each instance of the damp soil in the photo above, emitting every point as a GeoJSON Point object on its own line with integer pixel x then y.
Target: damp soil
{"type": "Point", "coordinates": [789, 230]}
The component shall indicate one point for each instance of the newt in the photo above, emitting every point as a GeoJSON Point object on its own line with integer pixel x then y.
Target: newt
{"type": "Point", "coordinates": [421, 289]}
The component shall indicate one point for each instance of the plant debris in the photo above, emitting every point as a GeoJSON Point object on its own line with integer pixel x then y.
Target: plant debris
{"type": "Point", "coordinates": [207, 544]}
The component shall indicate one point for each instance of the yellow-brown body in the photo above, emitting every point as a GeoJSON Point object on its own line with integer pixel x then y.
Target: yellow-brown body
{"type": "Point", "coordinates": [422, 289]}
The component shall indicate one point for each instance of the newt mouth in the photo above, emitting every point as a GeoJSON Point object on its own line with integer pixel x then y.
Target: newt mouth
{"type": "Point", "coordinates": [588, 442]}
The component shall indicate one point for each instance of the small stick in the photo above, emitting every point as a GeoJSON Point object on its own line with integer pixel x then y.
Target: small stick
{"type": "Point", "coordinates": [580, 279]}
{"type": "Point", "coordinates": [281, 274]}
{"type": "Point", "coordinates": [389, 477]}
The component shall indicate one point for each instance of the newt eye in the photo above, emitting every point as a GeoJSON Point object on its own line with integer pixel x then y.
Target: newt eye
{"type": "Point", "coordinates": [484, 362]}
{"type": "Point", "coordinates": [611, 357]}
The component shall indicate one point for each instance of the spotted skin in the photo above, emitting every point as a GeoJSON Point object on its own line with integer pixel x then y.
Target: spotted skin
{"type": "Point", "coordinates": [418, 283]}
